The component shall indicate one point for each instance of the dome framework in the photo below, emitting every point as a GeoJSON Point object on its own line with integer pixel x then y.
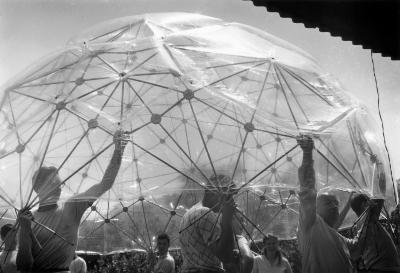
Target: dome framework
{"type": "Point", "coordinates": [195, 104]}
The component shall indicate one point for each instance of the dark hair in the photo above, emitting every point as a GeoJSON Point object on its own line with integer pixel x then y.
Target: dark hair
{"type": "Point", "coordinates": [219, 181]}
{"type": "Point", "coordinates": [269, 237]}
{"type": "Point", "coordinates": [278, 251]}
{"type": "Point", "coordinates": [357, 201]}
{"type": "Point", "coordinates": [4, 230]}
{"type": "Point", "coordinates": [163, 236]}
{"type": "Point", "coordinates": [42, 176]}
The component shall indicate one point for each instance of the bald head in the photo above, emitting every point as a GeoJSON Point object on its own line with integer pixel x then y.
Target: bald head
{"type": "Point", "coordinates": [328, 208]}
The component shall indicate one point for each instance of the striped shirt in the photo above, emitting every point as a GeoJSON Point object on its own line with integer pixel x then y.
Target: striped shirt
{"type": "Point", "coordinates": [200, 228]}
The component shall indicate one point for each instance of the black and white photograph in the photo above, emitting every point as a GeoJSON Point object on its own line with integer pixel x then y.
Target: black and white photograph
{"type": "Point", "coordinates": [199, 136]}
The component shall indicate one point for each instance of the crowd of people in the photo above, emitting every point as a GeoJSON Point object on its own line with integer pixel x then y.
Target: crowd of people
{"type": "Point", "coordinates": [212, 237]}
{"type": "Point", "coordinates": [129, 261]}
{"type": "Point", "coordinates": [137, 261]}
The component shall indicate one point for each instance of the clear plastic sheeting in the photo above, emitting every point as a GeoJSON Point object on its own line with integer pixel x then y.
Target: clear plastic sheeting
{"type": "Point", "coordinates": [143, 26]}
{"type": "Point", "coordinates": [197, 97]}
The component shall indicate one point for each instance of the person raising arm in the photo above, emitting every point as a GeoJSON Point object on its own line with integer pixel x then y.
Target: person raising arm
{"type": "Point", "coordinates": [57, 232]}
{"type": "Point", "coordinates": [321, 246]}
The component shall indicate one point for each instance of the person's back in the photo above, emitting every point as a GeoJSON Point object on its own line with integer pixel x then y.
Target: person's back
{"type": "Point", "coordinates": [57, 252]}
{"type": "Point", "coordinates": [54, 227]}
{"type": "Point", "coordinates": [197, 229]}
{"type": "Point", "coordinates": [78, 265]}
{"type": "Point", "coordinates": [206, 233]}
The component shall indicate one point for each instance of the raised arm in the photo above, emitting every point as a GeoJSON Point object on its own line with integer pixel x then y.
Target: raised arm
{"type": "Point", "coordinates": [111, 172]}
{"type": "Point", "coordinates": [24, 255]}
{"type": "Point", "coordinates": [225, 245]}
{"type": "Point", "coordinates": [246, 256]}
{"type": "Point", "coordinates": [243, 256]}
{"type": "Point", "coordinates": [307, 194]}
{"type": "Point", "coordinates": [94, 192]}
{"type": "Point", "coordinates": [380, 178]}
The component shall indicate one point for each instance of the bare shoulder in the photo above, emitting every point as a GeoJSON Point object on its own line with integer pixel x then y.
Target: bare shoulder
{"type": "Point", "coordinates": [170, 258]}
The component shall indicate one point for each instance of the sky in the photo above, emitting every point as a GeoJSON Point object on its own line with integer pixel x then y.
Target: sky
{"type": "Point", "coordinates": [31, 29]}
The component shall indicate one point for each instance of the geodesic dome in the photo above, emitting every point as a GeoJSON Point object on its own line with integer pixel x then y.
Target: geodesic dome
{"type": "Point", "coordinates": [198, 97]}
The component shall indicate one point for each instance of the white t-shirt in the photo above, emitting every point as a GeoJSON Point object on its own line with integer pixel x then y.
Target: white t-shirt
{"type": "Point", "coordinates": [8, 261]}
{"type": "Point", "coordinates": [78, 265]}
{"type": "Point", "coordinates": [165, 264]}
{"type": "Point", "coordinates": [262, 265]}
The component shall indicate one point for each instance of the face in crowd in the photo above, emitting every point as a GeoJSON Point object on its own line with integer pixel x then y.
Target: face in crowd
{"type": "Point", "coordinates": [163, 243]}
{"type": "Point", "coordinates": [328, 208]}
{"type": "Point", "coordinates": [271, 244]}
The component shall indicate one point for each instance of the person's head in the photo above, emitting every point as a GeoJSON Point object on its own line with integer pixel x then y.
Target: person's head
{"type": "Point", "coordinates": [271, 243]}
{"type": "Point", "coordinates": [8, 236]}
{"type": "Point", "coordinates": [5, 229]}
{"type": "Point", "coordinates": [46, 183]}
{"type": "Point", "coordinates": [328, 208]}
{"type": "Point", "coordinates": [271, 246]}
{"type": "Point", "coordinates": [217, 185]}
{"type": "Point", "coordinates": [163, 243]}
{"type": "Point", "coordinates": [359, 203]}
